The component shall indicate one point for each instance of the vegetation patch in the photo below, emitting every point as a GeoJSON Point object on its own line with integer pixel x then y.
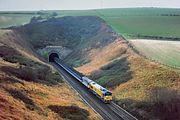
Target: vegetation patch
{"type": "Point", "coordinates": [28, 70]}
{"type": "Point", "coordinates": [149, 81]}
{"type": "Point", "coordinates": [165, 103]}
{"type": "Point", "coordinates": [24, 98]}
{"type": "Point", "coordinates": [40, 75]}
{"type": "Point", "coordinates": [10, 80]}
{"type": "Point", "coordinates": [70, 112]}
{"type": "Point", "coordinates": [114, 73]}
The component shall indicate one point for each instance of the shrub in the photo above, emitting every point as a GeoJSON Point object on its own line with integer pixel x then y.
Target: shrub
{"type": "Point", "coordinates": [45, 55]}
{"type": "Point", "coordinates": [25, 73]}
{"type": "Point", "coordinates": [70, 112]}
{"type": "Point", "coordinates": [166, 103]}
{"type": "Point", "coordinates": [23, 97]}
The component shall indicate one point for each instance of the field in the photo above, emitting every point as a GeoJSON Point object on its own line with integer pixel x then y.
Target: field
{"type": "Point", "coordinates": [168, 52]}
{"type": "Point", "coordinates": [14, 19]}
{"type": "Point", "coordinates": [138, 22]}
{"type": "Point", "coordinates": [146, 26]}
{"type": "Point", "coordinates": [154, 23]}
{"type": "Point", "coordinates": [143, 22]}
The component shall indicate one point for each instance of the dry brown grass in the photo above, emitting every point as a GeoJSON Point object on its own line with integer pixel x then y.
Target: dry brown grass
{"type": "Point", "coordinates": [13, 39]}
{"type": "Point", "coordinates": [101, 56]}
{"type": "Point", "coordinates": [21, 99]}
{"type": "Point", "coordinates": [146, 75]}
{"type": "Point", "coordinates": [27, 89]}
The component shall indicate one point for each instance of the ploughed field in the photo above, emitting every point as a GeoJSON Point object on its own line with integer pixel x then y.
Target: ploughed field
{"type": "Point", "coordinates": [167, 52]}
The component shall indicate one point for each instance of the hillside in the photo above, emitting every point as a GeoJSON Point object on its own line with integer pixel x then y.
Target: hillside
{"type": "Point", "coordinates": [30, 88]}
{"type": "Point", "coordinates": [131, 23]}
{"type": "Point", "coordinates": [147, 89]}
{"type": "Point", "coordinates": [80, 34]}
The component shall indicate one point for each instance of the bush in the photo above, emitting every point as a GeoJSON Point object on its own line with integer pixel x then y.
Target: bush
{"type": "Point", "coordinates": [166, 103]}
{"type": "Point", "coordinates": [23, 97]}
{"type": "Point", "coordinates": [45, 55]}
{"type": "Point", "coordinates": [27, 73]}
{"type": "Point", "coordinates": [70, 112]}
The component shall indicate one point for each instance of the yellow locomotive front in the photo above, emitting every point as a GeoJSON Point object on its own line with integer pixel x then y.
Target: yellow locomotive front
{"type": "Point", "coordinates": [103, 93]}
{"type": "Point", "coordinates": [107, 97]}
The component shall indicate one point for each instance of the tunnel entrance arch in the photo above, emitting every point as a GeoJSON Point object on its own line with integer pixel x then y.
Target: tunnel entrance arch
{"type": "Point", "coordinates": [52, 55]}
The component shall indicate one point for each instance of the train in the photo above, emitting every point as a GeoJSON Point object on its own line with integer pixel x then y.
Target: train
{"type": "Point", "coordinates": [101, 92]}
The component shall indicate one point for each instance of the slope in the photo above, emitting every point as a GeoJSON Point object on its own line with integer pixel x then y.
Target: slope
{"type": "Point", "coordinates": [30, 88]}
{"type": "Point", "coordinates": [79, 34]}
{"type": "Point", "coordinates": [147, 89]}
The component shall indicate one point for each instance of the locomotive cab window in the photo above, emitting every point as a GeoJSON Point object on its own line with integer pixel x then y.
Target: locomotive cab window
{"type": "Point", "coordinates": [108, 94]}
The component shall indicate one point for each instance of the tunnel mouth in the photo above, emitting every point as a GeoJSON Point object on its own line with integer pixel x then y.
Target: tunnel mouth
{"type": "Point", "coordinates": [52, 56]}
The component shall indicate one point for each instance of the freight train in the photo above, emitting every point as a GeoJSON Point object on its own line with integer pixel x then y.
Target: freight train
{"type": "Point", "coordinates": [101, 92]}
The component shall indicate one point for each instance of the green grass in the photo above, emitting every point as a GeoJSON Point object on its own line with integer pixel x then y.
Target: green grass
{"type": "Point", "coordinates": [138, 22]}
{"type": "Point", "coordinates": [130, 22]}
{"type": "Point", "coordinates": [112, 74]}
{"type": "Point", "coordinates": [7, 20]}
{"type": "Point", "coordinates": [134, 26]}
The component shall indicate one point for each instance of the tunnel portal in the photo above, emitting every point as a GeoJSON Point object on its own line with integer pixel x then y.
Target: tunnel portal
{"type": "Point", "coordinates": [52, 56]}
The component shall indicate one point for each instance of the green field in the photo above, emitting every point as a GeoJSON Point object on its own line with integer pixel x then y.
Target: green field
{"type": "Point", "coordinates": [153, 23]}
{"type": "Point", "coordinates": [14, 19]}
{"type": "Point", "coordinates": [141, 26]}
{"type": "Point", "coordinates": [156, 23]}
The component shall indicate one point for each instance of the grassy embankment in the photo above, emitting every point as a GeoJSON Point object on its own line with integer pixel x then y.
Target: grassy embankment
{"type": "Point", "coordinates": [30, 89]}
{"type": "Point", "coordinates": [147, 89]}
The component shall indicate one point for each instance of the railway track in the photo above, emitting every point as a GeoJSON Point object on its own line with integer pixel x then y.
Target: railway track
{"type": "Point", "coordinates": [106, 111]}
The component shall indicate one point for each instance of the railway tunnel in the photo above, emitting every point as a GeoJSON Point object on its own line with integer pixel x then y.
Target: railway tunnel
{"type": "Point", "coordinates": [52, 55]}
